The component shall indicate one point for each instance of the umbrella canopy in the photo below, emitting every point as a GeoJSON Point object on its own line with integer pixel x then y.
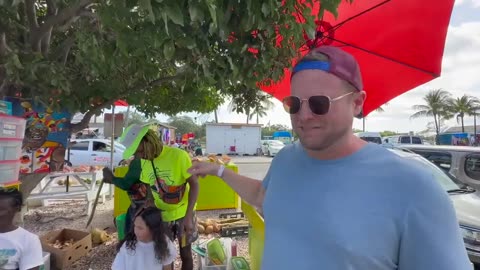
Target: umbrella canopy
{"type": "Point", "coordinates": [120, 102]}
{"type": "Point", "coordinates": [398, 44]}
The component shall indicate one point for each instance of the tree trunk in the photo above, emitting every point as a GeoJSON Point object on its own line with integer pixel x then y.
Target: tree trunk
{"type": "Point", "coordinates": [29, 182]}
{"type": "Point", "coordinates": [463, 125]}
{"type": "Point", "coordinates": [363, 120]}
{"type": "Point", "coordinates": [437, 129]}
{"type": "Point", "coordinates": [257, 119]}
{"type": "Point", "coordinates": [216, 116]}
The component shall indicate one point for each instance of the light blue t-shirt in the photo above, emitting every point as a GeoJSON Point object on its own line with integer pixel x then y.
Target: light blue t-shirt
{"type": "Point", "coordinates": [372, 210]}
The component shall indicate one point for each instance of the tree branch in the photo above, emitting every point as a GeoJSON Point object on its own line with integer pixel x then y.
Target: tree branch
{"type": "Point", "coordinates": [84, 13]}
{"type": "Point", "coordinates": [51, 12]}
{"type": "Point", "coordinates": [87, 116]}
{"type": "Point", "coordinates": [62, 16]}
{"type": "Point", "coordinates": [67, 45]}
{"type": "Point", "coordinates": [4, 49]}
{"type": "Point", "coordinates": [31, 15]}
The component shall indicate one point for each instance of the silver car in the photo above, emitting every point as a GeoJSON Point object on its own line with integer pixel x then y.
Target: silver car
{"type": "Point", "coordinates": [465, 199]}
{"type": "Point", "coordinates": [463, 162]}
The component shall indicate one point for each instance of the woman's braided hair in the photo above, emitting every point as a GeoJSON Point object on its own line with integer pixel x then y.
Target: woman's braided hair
{"type": "Point", "coordinates": [152, 145]}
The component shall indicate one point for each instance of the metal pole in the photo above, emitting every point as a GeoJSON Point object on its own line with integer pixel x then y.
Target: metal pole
{"type": "Point", "coordinates": [112, 147]}
{"type": "Point", "coordinates": [112, 140]}
{"type": "Point", "coordinates": [127, 115]}
{"type": "Point", "coordinates": [475, 128]}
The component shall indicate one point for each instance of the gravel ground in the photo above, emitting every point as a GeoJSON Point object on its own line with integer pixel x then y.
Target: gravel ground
{"type": "Point", "coordinates": [71, 214]}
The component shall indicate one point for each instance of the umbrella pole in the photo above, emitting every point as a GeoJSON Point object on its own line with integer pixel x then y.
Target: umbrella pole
{"type": "Point", "coordinates": [112, 146]}
{"type": "Point", "coordinates": [100, 187]}
{"type": "Point", "coordinates": [127, 115]}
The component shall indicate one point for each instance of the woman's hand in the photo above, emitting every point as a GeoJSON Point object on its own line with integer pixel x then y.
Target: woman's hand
{"type": "Point", "coordinates": [107, 175]}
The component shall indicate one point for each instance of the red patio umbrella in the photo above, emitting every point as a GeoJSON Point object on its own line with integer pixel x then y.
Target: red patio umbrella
{"type": "Point", "coordinates": [399, 44]}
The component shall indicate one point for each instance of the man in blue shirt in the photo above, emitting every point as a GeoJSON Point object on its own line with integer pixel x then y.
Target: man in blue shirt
{"type": "Point", "coordinates": [335, 202]}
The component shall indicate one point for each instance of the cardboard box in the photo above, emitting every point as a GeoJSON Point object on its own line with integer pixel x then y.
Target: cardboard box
{"type": "Point", "coordinates": [62, 258]}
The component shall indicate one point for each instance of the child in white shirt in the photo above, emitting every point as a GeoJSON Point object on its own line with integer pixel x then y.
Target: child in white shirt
{"type": "Point", "coordinates": [148, 246]}
{"type": "Point", "coordinates": [19, 248]}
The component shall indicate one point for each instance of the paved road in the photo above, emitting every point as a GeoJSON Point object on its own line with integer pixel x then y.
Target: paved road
{"type": "Point", "coordinates": [253, 167]}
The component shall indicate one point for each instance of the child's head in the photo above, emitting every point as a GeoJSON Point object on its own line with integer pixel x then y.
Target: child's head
{"type": "Point", "coordinates": [148, 223]}
{"type": "Point", "coordinates": [149, 227]}
{"type": "Point", "coordinates": [11, 201]}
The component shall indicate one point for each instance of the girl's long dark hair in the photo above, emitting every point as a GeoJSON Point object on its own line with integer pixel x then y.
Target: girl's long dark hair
{"type": "Point", "coordinates": [153, 219]}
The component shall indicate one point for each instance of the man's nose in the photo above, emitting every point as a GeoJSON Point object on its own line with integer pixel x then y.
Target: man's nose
{"type": "Point", "coordinates": [305, 113]}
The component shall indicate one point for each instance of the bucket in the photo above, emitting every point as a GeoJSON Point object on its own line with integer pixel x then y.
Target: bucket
{"type": "Point", "coordinates": [120, 222]}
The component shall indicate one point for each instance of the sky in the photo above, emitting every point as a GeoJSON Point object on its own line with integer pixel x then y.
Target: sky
{"type": "Point", "coordinates": [460, 75]}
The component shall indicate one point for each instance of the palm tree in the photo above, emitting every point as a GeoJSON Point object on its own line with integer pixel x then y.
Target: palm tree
{"type": "Point", "coordinates": [216, 116]}
{"type": "Point", "coordinates": [262, 106]}
{"type": "Point", "coordinates": [379, 109]}
{"type": "Point", "coordinates": [258, 104]}
{"type": "Point", "coordinates": [462, 106]}
{"type": "Point", "coordinates": [437, 105]}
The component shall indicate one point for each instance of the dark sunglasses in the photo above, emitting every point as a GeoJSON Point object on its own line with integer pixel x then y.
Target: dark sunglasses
{"type": "Point", "coordinates": [319, 105]}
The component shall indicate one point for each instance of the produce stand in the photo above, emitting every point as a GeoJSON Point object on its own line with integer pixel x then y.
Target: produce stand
{"type": "Point", "coordinates": [216, 194]}
{"type": "Point", "coordinates": [256, 235]}
{"type": "Point", "coordinates": [213, 194]}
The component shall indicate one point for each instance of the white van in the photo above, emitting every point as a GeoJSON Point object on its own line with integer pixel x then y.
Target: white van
{"type": "Point", "coordinates": [403, 139]}
{"type": "Point", "coordinates": [373, 137]}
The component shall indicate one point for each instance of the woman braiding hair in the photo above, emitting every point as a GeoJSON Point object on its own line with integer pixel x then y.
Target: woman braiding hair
{"type": "Point", "coordinates": [158, 175]}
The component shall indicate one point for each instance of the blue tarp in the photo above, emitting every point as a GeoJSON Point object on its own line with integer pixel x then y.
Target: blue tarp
{"type": "Point", "coordinates": [278, 134]}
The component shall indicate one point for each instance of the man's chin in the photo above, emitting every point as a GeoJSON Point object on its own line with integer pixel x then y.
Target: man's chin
{"type": "Point", "coordinates": [314, 144]}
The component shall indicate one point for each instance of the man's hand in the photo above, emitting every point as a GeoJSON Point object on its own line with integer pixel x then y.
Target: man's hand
{"type": "Point", "coordinates": [202, 169]}
{"type": "Point", "coordinates": [187, 224]}
{"type": "Point", "coordinates": [107, 175]}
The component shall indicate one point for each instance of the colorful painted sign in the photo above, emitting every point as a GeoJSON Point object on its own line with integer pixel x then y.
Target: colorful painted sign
{"type": "Point", "coordinates": [46, 137]}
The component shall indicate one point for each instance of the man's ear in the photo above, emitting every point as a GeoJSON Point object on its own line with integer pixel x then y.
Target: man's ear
{"type": "Point", "coordinates": [358, 101]}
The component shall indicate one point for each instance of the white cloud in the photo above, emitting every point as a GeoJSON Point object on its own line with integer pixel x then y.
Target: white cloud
{"type": "Point", "coordinates": [474, 3]}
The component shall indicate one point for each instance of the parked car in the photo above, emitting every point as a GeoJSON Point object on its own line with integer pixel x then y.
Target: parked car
{"type": "Point", "coordinates": [463, 162]}
{"type": "Point", "coordinates": [271, 147]}
{"type": "Point", "coordinates": [93, 152]}
{"type": "Point", "coordinates": [402, 139]}
{"type": "Point", "coordinates": [466, 201]}
{"type": "Point", "coordinates": [373, 137]}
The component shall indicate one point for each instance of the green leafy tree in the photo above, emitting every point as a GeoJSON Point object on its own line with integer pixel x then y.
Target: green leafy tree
{"type": "Point", "coordinates": [270, 129]}
{"type": "Point", "coordinates": [262, 106]}
{"type": "Point", "coordinates": [436, 105]}
{"type": "Point", "coordinates": [166, 56]}
{"type": "Point", "coordinates": [184, 124]}
{"type": "Point", "coordinates": [136, 118]}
